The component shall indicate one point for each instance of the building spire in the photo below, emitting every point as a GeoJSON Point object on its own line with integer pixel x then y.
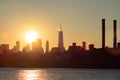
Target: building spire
{"type": "Point", "coordinates": [60, 26]}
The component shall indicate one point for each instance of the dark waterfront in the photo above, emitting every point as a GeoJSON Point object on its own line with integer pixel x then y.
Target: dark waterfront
{"type": "Point", "coordinates": [76, 56]}
{"type": "Point", "coordinates": [70, 59]}
{"type": "Point", "coordinates": [58, 74]}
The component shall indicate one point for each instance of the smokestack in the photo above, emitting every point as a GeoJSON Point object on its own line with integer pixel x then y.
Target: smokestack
{"type": "Point", "coordinates": [103, 33]}
{"type": "Point", "coordinates": [115, 34]}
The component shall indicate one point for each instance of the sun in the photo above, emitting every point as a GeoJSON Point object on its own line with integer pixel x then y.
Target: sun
{"type": "Point", "coordinates": [31, 36]}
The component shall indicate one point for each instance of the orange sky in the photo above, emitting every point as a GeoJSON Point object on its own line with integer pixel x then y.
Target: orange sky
{"type": "Point", "coordinates": [81, 20]}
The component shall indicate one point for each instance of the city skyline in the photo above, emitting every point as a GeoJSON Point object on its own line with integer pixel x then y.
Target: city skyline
{"type": "Point", "coordinates": [32, 37]}
{"type": "Point", "coordinates": [35, 42]}
{"type": "Point", "coordinates": [81, 20]}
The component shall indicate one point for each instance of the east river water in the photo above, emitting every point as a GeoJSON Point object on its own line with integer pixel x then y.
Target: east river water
{"type": "Point", "coordinates": [58, 74]}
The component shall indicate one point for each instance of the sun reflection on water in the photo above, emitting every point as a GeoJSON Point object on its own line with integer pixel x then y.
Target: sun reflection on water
{"type": "Point", "coordinates": [32, 75]}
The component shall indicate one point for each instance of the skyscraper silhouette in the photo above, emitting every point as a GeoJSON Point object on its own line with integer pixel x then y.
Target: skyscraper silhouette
{"type": "Point", "coordinates": [60, 40]}
{"type": "Point", "coordinates": [47, 46]}
{"type": "Point", "coordinates": [37, 46]}
{"type": "Point", "coordinates": [84, 45]}
{"type": "Point", "coordinates": [17, 46]}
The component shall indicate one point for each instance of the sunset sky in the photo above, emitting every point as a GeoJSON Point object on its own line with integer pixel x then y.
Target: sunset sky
{"type": "Point", "coordinates": [81, 20]}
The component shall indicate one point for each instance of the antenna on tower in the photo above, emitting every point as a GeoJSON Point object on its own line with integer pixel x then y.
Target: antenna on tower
{"type": "Point", "coordinates": [60, 26]}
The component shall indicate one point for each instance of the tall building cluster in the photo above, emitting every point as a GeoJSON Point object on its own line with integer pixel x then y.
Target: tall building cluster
{"type": "Point", "coordinates": [77, 56]}
{"type": "Point", "coordinates": [36, 46]}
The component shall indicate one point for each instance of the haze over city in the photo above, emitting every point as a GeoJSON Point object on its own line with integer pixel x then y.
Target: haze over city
{"type": "Point", "coordinates": [81, 20]}
{"type": "Point", "coordinates": [59, 39]}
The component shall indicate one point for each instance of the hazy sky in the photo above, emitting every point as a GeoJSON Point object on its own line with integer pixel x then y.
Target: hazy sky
{"type": "Point", "coordinates": [81, 20]}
